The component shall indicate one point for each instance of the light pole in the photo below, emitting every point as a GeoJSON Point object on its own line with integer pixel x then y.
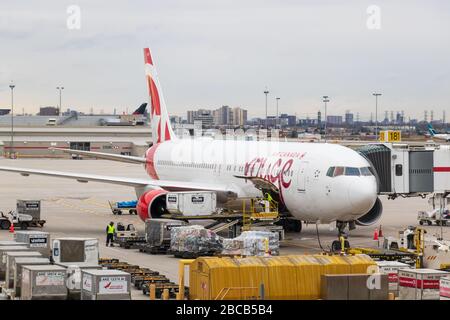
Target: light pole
{"type": "Point", "coordinates": [60, 106]}
{"type": "Point", "coordinates": [376, 113]}
{"type": "Point", "coordinates": [325, 100]}
{"type": "Point", "coordinates": [277, 123]}
{"type": "Point", "coordinates": [11, 147]}
{"type": "Point", "coordinates": [266, 92]}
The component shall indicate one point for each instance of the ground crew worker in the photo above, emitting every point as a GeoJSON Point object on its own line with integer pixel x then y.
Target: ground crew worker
{"type": "Point", "coordinates": [110, 230]}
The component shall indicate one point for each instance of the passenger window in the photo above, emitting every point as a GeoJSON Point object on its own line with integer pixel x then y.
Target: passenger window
{"type": "Point", "coordinates": [338, 171]}
{"type": "Point", "coordinates": [351, 171]}
{"type": "Point", "coordinates": [330, 172]}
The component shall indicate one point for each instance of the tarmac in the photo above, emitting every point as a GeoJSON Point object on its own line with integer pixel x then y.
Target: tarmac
{"type": "Point", "coordinates": [81, 209]}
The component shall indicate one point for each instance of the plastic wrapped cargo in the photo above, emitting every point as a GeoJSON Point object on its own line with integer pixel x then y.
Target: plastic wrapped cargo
{"type": "Point", "coordinates": [195, 240]}
{"type": "Point", "coordinates": [253, 243]}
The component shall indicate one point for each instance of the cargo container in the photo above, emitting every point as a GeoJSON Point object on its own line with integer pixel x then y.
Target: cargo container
{"type": "Point", "coordinates": [17, 271]}
{"type": "Point", "coordinates": [35, 240]}
{"type": "Point", "coordinates": [75, 250]}
{"type": "Point", "coordinates": [10, 243]}
{"type": "Point", "coordinates": [444, 288]}
{"type": "Point", "coordinates": [73, 276]}
{"type": "Point", "coordinates": [354, 286]}
{"type": "Point", "coordinates": [10, 256]}
{"type": "Point", "coordinates": [419, 284]}
{"type": "Point", "coordinates": [285, 277]}
{"type": "Point", "coordinates": [43, 282]}
{"type": "Point", "coordinates": [157, 232]}
{"type": "Point", "coordinates": [391, 268]}
{"type": "Point", "coordinates": [3, 260]}
{"type": "Point", "coordinates": [105, 285]}
{"type": "Point", "coordinates": [190, 203]}
{"type": "Point", "coordinates": [32, 208]}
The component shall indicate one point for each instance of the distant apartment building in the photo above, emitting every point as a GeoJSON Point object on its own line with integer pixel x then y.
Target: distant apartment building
{"type": "Point", "coordinates": [349, 118]}
{"type": "Point", "coordinates": [239, 116]}
{"type": "Point", "coordinates": [334, 120]}
{"type": "Point", "coordinates": [48, 111]}
{"type": "Point", "coordinates": [288, 120]}
{"type": "Point", "coordinates": [203, 115]}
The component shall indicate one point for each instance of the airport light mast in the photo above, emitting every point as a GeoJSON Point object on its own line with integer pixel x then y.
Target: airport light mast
{"type": "Point", "coordinates": [376, 114]}
{"type": "Point", "coordinates": [11, 147]}
{"type": "Point", "coordinates": [60, 106]}
{"type": "Point", "coordinates": [325, 100]}
{"type": "Point", "coordinates": [266, 92]}
{"type": "Point", "coordinates": [277, 123]}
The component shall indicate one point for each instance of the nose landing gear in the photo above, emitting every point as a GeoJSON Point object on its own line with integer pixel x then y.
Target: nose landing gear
{"type": "Point", "coordinates": [341, 244]}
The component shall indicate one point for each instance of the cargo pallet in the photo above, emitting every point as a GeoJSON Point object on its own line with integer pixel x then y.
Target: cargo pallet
{"type": "Point", "coordinates": [140, 281]}
{"type": "Point", "coordinates": [129, 242]}
{"type": "Point", "coordinates": [147, 248]}
{"type": "Point", "coordinates": [172, 287]}
{"type": "Point", "coordinates": [191, 255]}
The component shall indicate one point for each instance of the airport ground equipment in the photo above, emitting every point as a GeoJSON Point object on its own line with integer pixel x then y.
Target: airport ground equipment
{"type": "Point", "coordinates": [157, 235]}
{"type": "Point", "coordinates": [4, 249]}
{"type": "Point", "coordinates": [190, 203]}
{"type": "Point", "coordinates": [172, 287]}
{"type": "Point", "coordinates": [82, 250]}
{"type": "Point", "coordinates": [9, 258]}
{"type": "Point", "coordinates": [32, 208]}
{"type": "Point", "coordinates": [284, 277]}
{"type": "Point", "coordinates": [105, 285]}
{"type": "Point", "coordinates": [127, 237]}
{"type": "Point", "coordinates": [419, 284]}
{"type": "Point", "coordinates": [35, 240]}
{"type": "Point", "coordinates": [43, 282]}
{"type": "Point", "coordinates": [430, 218]}
{"type": "Point", "coordinates": [12, 217]}
{"type": "Point", "coordinates": [73, 277]}
{"type": "Point", "coordinates": [391, 268]}
{"type": "Point", "coordinates": [444, 288]}
{"type": "Point", "coordinates": [120, 207]}
{"type": "Point", "coordinates": [17, 270]}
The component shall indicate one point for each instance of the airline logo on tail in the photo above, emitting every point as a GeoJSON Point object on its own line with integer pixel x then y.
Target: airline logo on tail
{"type": "Point", "coordinates": [161, 129]}
{"type": "Point", "coordinates": [431, 130]}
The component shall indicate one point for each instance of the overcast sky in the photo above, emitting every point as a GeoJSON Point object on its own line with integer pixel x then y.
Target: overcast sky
{"type": "Point", "coordinates": [211, 53]}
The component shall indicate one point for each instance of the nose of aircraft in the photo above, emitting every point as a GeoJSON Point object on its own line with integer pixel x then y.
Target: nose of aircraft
{"type": "Point", "coordinates": [362, 194]}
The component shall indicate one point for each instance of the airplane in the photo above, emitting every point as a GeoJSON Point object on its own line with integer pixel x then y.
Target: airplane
{"type": "Point", "coordinates": [140, 111]}
{"type": "Point", "coordinates": [313, 182]}
{"type": "Point", "coordinates": [439, 136]}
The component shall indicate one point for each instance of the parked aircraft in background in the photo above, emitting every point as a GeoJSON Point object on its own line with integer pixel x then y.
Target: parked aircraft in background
{"type": "Point", "coordinates": [439, 136]}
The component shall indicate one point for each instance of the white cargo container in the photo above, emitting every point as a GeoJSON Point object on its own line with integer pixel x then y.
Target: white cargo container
{"type": "Point", "coordinates": [391, 268]}
{"type": "Point", "coordinates": [192, 203]}
{"type": "Point", "coordinates": [9, 243]}
{"type": "Point", "coordinates": [419, 284]}
{"type": "Point", "coordinates": [4, 249]}
{"type": "Point", "coordinates": [10, 257]}
{"type": "Point", "coordinates": [35, 240]}
{"type": "Point", "coordinates": [444, 288]}
{"type": "Point", "coordinates": [43, 282]}
{"type": "Point", "coordinates": [80, 250]}
{"type": "Point", "coordinates": [73, 276]}
{"type": "Point", "coordinates": [17, 270]}
{"type": "Point", "coordinates": [105, 285]}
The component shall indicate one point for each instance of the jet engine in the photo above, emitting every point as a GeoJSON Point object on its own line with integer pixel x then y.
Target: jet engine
{"type": "Point", "coordinates": [152, 204]}
{"type": "Point", "coordinates": [372, 216]}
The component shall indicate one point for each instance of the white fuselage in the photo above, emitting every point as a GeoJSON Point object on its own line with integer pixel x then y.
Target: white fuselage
{"type": "Point", "coordinates": [298, 170]}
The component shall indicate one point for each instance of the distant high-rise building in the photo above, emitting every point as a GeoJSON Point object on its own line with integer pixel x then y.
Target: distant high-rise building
{"type": "Point", "coordinates": [334, 120]}
{"type": "Point", "coordinates": [239, 116]}
{"type": "Point", "coordinates": [425, 116]}
{"type": "Point", "coordinates": [205, 116]}
{"type": "Point", "coordinates": [319, 118]}
{"type": "Point", "coordinates": [348, 118]}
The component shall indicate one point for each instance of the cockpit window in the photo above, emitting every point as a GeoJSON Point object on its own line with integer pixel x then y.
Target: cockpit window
{"type": "Point", "coordinates": [351, 171]}
{"type": "Point", "coordinates": [365, 171]}
{"type": "Point", "coordinates": [330, 172]}
{"type": "Point", "coordinates": [339, 171]}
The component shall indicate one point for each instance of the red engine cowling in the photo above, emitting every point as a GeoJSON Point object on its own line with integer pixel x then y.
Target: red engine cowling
{"type": "Point", "coordinates": [152, 204]}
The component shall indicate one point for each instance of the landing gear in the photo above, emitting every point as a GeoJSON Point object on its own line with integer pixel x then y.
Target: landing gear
{"type": "Point", "coordinates": [336, 245]}
{"type": "Point", "coordinates": [290, 225]}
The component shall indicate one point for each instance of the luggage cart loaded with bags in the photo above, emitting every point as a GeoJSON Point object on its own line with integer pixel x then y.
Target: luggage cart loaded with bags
{"type": "Point", "coordinates": [120, 207]}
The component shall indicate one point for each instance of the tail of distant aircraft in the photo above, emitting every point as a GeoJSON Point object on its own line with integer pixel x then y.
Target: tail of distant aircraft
{"type": "Point", "coordinates": [160, 122]}
{"type": "Point", "coordinates": [141, 109]}
{"type": "Point", "coordinates": [431, 130]}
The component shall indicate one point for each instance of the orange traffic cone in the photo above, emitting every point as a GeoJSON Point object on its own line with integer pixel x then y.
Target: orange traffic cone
{"type": "Point", "coordinates": [375, 234]}
{"type": "Point", "coordinates": [11, 228]}
{"type": "Point", "coordinates": [380, 233]}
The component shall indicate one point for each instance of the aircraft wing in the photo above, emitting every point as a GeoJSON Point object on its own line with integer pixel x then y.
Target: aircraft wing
{"type": "Point", "coordinates": [124, 181]}
{"type": "Point", "coordinates": [106, 156]}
